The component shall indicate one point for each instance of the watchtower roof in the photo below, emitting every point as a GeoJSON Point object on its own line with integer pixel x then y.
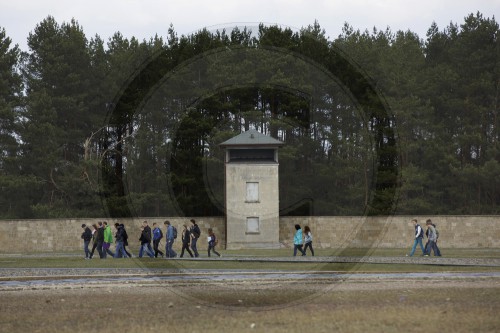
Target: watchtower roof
{"type": "Point", "coordinates": [252, 138]}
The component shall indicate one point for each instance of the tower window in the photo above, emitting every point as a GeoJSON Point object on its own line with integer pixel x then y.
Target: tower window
{"type": "Point", "coordinates": [253, 226]}
{"type": "Point", "coordinates": [251, 155]}
{"type": "Point", "coordinates": [252, 192]}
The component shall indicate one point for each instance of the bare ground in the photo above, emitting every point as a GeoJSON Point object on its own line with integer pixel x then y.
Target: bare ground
{"type": "Point", "coordinates": [367, 305]}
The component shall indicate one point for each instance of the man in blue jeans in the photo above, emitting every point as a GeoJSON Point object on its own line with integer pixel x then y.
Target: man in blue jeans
{"type": "Point", "coordinates": [169, 252]}
{"type": "Point", "coordinates": [87, 237]}
{"type": "Point", "coordinates": [431, 238]}
{"type": "Point", "coordinates": [145, 240]}
{"type": "Point", "coordinates": [119, 239]}
{"type": "Point", "coordinates": [419, 235]}
{"type": "Point", "coordinates": [157, 236]}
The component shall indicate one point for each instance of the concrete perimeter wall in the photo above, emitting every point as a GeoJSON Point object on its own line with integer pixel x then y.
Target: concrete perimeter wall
{"type": "Point", "coordinates": [63, 235]}
{"type": "Point", "coordinates": [394, 231]}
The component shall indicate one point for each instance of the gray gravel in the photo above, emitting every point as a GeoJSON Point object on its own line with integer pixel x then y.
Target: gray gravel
{"type": "Point", "coordinates": [13, 273]}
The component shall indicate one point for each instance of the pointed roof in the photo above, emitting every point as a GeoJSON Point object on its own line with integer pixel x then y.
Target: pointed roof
{"type": "Point", "coordinates": [252, 138]}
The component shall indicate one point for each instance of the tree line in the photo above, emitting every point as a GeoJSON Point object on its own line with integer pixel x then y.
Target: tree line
{"type": "Point", "coordinates": [374, 122]}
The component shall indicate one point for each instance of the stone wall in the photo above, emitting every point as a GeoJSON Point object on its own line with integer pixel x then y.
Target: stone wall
{"type": "Point", "coordinates": [63, 235]}
{"type": "Point", "coordinates": [394, 231]}
{"type": "Point", "coordinates": [29, 236]}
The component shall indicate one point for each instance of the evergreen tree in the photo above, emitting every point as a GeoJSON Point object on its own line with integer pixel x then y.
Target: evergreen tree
{"type": "Point", "coordinates": [15, 186]}
{"type": "Point", "coordinates": [366, 119]}
{"type": "Point", "coordinates": [57, 117]}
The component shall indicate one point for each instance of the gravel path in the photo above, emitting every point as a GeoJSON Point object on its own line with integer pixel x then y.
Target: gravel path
{"type": "Point", "coordinates": [32, 273]}
{"type": "Point", "coordinates": [442, 261]}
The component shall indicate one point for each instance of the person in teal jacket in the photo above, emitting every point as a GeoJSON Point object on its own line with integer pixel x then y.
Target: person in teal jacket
{"type": "Point", "coordinates": [297, 241]}
{"type": "Point", "coordinates": [108, 240]}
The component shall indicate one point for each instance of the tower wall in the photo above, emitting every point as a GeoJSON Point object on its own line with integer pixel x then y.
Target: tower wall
{"type": "Point", "coordinates": [243, 207]}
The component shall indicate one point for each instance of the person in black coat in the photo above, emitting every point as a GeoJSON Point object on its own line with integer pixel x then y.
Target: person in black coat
{"type": "Point", "coordinates": [100, 238]}
{"type": "Point", "coordinates": [186, 239]}
{"type": "Point", "coordinates": [125, 240]}
{"type": "Point", "coordinates": [119, 239]}
{"type": "Point", "coordinates": [145, 240]}
{"type": "Point", "coordinates": [87, 237]}
{"type": "Point", "coordinates": [94, 240]}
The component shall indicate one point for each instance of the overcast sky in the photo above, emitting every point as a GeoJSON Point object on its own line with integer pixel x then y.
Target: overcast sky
{"type": "Point", "coordinates": [145, 18]}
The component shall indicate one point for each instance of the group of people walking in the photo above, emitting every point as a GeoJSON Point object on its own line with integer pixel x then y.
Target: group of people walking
{"type": "Point", "coordinates": [101, 237]}
{"type": "Point", "coordinates": [432, 239]}
{"type": "Point", "coordinates": [302, 239]}
{"type": "Point", "coordinates": [305, 239]}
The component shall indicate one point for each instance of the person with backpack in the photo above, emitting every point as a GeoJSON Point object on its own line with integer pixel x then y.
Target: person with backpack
{"type": "Point", "coordinates": [427, 244]}
{"type": "Point", "coordinates": [437, 238]}
{"type": "Point", "coordinates": [212, 242]}
{"type": "Point", "coordinates": [87, 237]}
{"type": "Point", "coordinates": [157, 236]}
{"type": "Point", "coordinates": [419, 235]}
{"type": "Point", "coordinates": [432, 237]}
{"type": "Point", "coordinates": [120, 248]}
{"type": "Point", "coordinates": [145, 240]}
{"type": "Point", "coordinates": [100, 239]}
{"type": "Point", "coordinates": [186, 238]}
{"type": "Point", "coordinates": [171, 233]}
{"type": "Point", "coordinates": [195, 233]}
{"type": "Point", "coordinates": [125, 240]}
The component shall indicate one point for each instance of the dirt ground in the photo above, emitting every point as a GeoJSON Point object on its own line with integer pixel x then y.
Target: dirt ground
{"type": "Point", "coordinates": [377, 305]}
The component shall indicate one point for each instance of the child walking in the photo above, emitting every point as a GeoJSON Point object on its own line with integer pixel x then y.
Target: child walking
{"type": "Point", "coordinates": [212, 242]}
{"type": "Point", "coordinates": [308, 240]}
{"type": "Point", "coordinates": [297, 241]}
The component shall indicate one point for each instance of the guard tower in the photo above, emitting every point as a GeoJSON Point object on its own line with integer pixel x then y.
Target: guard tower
{"type": "Point", "coordinates": [252, 191]}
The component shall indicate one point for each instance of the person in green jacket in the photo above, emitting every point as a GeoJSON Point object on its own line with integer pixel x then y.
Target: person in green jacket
{"type": "Point", "coordinates": [297, 241]}
{"type": "Point", "coordinates": [108, 240]}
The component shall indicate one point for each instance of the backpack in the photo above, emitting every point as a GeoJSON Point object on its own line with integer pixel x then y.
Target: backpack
{"type": "Point", "coordinates": [421, 234]}
{"type": "Point", "coordinates": [196, 232]}
{"type": "Point", "coordinates": [175, 232]}
{"type": "Point", "coordinates": [87, 235]}
{"type": "Point", "coordinates": [437, 232]}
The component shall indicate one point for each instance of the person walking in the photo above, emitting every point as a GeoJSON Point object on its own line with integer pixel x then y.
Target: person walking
{"type": "Point", "coordinates": [125, 240]}
{"type": "Point", "coordinates": [308, 240]}
{"type": "Point", "coordinates": [100, 239]}
{"type": "Point", "coordinates": [297, 241]}
{"type": "Point", "coordinates": [94, 240]}
{"type": "Point", "coordinates": [87, 237]}
{"type": "Point", "coordinates": [186, 238]}
{"type": "Point", "coordinates": [145, 240]}
{"type": "Point", "coordinates": [195, 233]}
{"type": "Point", "coordinates": [212, 242]}
{"type": "Point", "coordinates": [431, 231]}
{"type": "Point", "coordinates": [171, 234]}
{"type": "Point", "coordinates": [108, 240]}
{"type": "Point", "coordinates": [437, 238]}
{"type": "Point", "coordinates": [419, 235]}
{"type": "Point", "coordinates": [157, 236]}
{"type": "Point", "coordinates": [147, 232]}
{"type": "Point", "coordinates": [120, 248]}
